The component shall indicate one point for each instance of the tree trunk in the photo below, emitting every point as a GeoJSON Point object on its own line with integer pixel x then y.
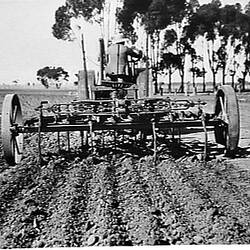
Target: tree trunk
{"type": "Point", "coordinates": [204, 83]}
{"type": "Point", "coordinates": [204, 79]}
{"type": "Point", "coordinates": [157, 62]}
{"type": "Point", "coordinates": [154, 73]}
{"type": "Point", "coordinates": [181, 72]}
{"type": "Point", "coordinates": [233, 80]}
{"type": "Point", "coordinates": [169, 81]}
{"type": "Point", "coordinates": [214, 81]}
{"type": "Point", "coordinates": [181, 89]}
{"type": "Point", "coordinates": [223, 75]}
{"type": "Point", "coordinates": [193, 77]}
{"type": "Point", "coordinates": [147, 67]}
{"type": "Point", "coordinates": [244, 81]}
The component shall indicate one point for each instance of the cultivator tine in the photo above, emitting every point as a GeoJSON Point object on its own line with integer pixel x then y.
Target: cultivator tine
{"type": "Point", "coordinates": [154, 140]}
{"type": "Point", "coordinates": [179, 134]}
{"type": "Point", "coordinates": [142, 136]}
{"type": "Point", "coordinates": [82, 143]}
{"type": "Point", "coordinates": [205, 135]}
{"type": "Point", "coordinates": [39, 144]}
{"type": "Point", "coordinates": [68, 140]}
{"type": "Point", "coordinates": [172, 133]}
{"type": "Point", "coordinates": [115, 141]}
{"type": "Point", "coordinates": [58, 141]}
{"type": "Point", "coordinates": [172, 129]}
{"type": "Point", "coordinates": [91, 135]}
{"type": "Point", "coordinates": [102, 135]}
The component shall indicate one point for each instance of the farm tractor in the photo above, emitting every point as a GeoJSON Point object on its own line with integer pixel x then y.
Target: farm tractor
{"type": "Point", "coordinates": [121, 107]}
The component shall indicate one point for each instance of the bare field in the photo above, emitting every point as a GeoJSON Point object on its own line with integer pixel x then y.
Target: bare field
{"type": "Point", "coordinates": [122, 198]}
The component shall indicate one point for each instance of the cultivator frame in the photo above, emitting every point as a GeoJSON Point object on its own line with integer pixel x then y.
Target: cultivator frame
{"type": "Point", "coordinates": [147, 116]}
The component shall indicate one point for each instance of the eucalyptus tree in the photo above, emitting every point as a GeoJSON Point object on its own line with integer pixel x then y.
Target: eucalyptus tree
{"type": "Point", "coordinates": [69, 22]}
{"type": "Point", "coordinates": [154, 16]}
{"type": "Point", "coordinates": [169, 58]}
{"type": "Point", "coordinates": [235, 32]}
{"type": "Point", "coordinates": [89, 10]}
{"type": "Point", "coordinates": [225, 30]}
{"type": "Point", "coordinates": [49, 76]}
{"type": "Point", "coordinates": [178, 44]}
{"type": "Point", "coordinates": [175, 38]}
{"type": "Point", "coordinates": [232, 31]}
{"type": "Point", "coordinates": [195, 69]}
{"type": "Point", "coordinates": [244, 46]}
{"type": "Point", "coordinates": [246, 52]}
{"type": "Point", "coordinates": [169, 64]}
{"type": "Point", "coordinates": [222, 58]}
{"type": "Point", "coordinates": [205, 22]}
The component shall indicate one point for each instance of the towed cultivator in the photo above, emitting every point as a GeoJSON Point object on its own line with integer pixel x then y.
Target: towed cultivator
{"type": "Point", "coordinates": [107, 107]}
{"type": "Point", "coordinates": [144, 117]}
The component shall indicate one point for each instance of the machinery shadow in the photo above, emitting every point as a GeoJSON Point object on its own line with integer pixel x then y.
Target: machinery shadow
{"type": "Point", "coordinates": [132, 146]}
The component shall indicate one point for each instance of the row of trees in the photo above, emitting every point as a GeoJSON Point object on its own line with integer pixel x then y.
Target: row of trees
{"type": "Point", "coordinates": [223, 32]}
{"type": "Point", "coordinates": [175, 29]}
{"type": "Point", "coordinates": [226, 33]}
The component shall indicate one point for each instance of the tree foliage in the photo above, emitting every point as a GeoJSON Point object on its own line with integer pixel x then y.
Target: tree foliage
{"type": "Point", "coordinates": [247, 9]}
{"type": "Point", "coordinates": [154, 14]}
{"type": "Point", "coordinates": [62, 29]}
{"type": "Point", "coordinates": [87, 9]}
{"type": "Point", "coordinates": [170, 37]}
{"type": "Point", "coordinates": [222, 28]}
{"type": "Point", "coordinates": [204, 22]}
{"type": "Point", "coordinates": [170, 60]}
{"type": "Point", "coordinates": [50, 75]}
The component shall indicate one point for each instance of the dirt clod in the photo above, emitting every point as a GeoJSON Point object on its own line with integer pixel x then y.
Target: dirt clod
{"type": "Point", "coordinates": [92, 240]}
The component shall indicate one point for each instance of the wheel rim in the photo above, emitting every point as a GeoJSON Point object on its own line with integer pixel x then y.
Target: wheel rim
{"type": "Point", "coordinates": [227, 111]}
{"type": "Point", "coordinates": [11, 117]}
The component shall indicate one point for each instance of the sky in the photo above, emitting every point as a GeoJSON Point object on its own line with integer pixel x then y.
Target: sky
{"type": "Point", "coordinates": [27, 43]}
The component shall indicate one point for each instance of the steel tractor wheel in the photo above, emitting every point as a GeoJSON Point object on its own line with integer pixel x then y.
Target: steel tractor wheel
{"type": "Point", "coordinates": [11, 118]}
{"type": "Point", "coordinates": [227, 110]}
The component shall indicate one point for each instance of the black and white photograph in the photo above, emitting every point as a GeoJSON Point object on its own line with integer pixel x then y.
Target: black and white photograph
{"type": "Point", "coordinates": [124, 123]}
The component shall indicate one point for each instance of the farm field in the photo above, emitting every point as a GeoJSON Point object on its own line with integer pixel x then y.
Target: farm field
{"type": "Point", "coordinates": [121, 198]}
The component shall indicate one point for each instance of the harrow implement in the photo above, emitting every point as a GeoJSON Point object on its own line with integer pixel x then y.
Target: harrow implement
{"type": "Point", "coordinates": [145, 116]}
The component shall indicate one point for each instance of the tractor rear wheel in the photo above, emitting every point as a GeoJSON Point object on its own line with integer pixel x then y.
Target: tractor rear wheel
{"type": "Point", "coordinates": [227, 110]}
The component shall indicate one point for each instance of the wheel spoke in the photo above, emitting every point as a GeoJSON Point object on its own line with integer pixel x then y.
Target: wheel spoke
{"type": "Point", "coordinates": [223, 110]}
{"type": "Point", "coordinates": [16, 146]}
{"type": "Point", "coordinates": [14, 114]}
{"type": "Point", "coordinates": [222, 106]}
{"type": "Point", "coordinates": [12, 145]}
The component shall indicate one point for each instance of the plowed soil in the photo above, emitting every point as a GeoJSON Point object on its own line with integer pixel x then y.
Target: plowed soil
{"type": "Point", "coordinates": [118, 196]}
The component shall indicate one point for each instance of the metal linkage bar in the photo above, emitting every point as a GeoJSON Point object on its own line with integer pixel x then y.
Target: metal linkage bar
{"type": "Point", "coordinates": [162, 125]}
{"type": "Point", "coordinates": [107, 106]}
